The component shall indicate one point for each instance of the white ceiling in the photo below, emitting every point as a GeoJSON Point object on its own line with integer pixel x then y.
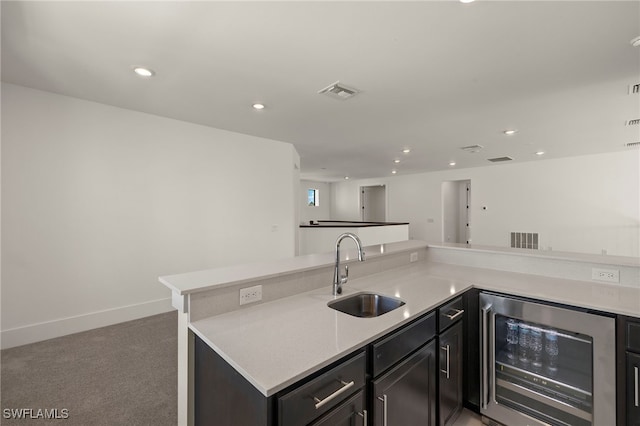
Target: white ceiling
{"type": "Point", "coordinates": [435, 75]}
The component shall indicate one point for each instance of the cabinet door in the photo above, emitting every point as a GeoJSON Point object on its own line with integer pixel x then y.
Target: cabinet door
{"type": "Point", "coordinates": [406, 395]}
{"type": "Point", "coordinates": [633, 389]}
{"type": "Point", "coordinates": [450, 363]}
{"type": "Point", "coordinates": [349, 413]}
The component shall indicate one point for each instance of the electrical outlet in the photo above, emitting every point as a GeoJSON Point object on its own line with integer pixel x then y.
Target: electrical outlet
{"type": "Point", "coordinates": [606, 275]}
{"type": "Point", "coordinates": [250, 294]}
{"type": "Point", "coordinates": [413, 257]}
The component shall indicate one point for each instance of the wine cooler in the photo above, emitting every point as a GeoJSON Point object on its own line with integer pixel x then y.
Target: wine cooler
{"type": "Point", "coordinates": [545, 364]}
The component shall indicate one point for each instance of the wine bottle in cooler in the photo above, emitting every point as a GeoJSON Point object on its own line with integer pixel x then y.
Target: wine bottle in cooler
{"type": "Point", "coordinates": [535, 348]}
{"type": "Point", "coordinates": [523, 344]}
{"type": "Point", "coordinates": [512, 340]}
{"type": "Point", "coordinates": [552, 351]}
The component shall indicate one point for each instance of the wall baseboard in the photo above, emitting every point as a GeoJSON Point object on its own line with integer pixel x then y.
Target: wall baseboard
{"type": "Point", "coordinates": [61, 327]}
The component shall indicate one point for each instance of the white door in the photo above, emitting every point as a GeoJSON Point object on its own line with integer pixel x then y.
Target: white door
{"type": "Point", "coordinates": [373, 203]}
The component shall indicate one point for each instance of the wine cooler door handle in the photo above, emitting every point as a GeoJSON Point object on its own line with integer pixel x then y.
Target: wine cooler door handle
{"type": "Point", "coordinates": [492, 355]}
{"type": "Point", "coordinates": [484, 391]}
{"type": "Point", "coordinates": [383, 398]}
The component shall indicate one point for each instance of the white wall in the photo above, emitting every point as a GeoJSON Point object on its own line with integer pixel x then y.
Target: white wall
{"type": "Point", "coordinates": [579, 204]}
{"type": "Point", "coordinates": [321, 212]}
{"type": "Point", "coordinates": [98, 201]}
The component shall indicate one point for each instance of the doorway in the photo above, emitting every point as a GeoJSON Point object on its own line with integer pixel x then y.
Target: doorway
{"type": "Point", "coordinates": [456, 203]}
{"type": "Point", "coordinates": [373, 203]}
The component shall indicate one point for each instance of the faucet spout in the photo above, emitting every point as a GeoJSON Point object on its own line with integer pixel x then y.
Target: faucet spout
{"type": "Point", "coordinates": [338, 278]}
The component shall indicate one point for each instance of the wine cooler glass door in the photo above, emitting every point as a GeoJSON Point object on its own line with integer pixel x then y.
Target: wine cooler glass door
{"type": "Point", "coordinates": [540, 364]}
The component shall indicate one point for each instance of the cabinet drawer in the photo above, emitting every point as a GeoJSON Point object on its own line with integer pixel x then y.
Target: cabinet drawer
{"type": "Point", "coordinates": [633, 336]}
{"type": "Point", "coordinates": [316, 397]}
{"type": "Point", "coordinates": [450, 313]}
{"type": "Point", "coordinates": [392, 349]}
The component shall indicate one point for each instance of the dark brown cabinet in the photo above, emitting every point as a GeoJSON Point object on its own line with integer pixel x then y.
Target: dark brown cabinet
{"type": "Point", "coordinates": [633, 389]}
{"type": "Point", "coordinates": [631, 327]}
{"type": "Point", "coordinates": [392, 381]}
{"type": "Point", "coordinates": [450, 362]}
{"type": "Point", "coordinates": [451, 385]}
{"type": "Point", "coordinates": [406, 394]}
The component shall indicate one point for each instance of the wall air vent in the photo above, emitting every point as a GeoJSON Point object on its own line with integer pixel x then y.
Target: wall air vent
{"type": "Point", "coordinates": [634, 89]}
{"type": "Point", "coordinates": [338, 90]}
{"type": "Point", "coordinates": [499, 159]}
{"type": "Point", "coordinates": [472, 148]}
{"type": "Point", "coordinates": [633, 145]}
{"type": "Point", "coordinates": [633, 122]}
{"type": "Point", "coordinates": [528, 240]}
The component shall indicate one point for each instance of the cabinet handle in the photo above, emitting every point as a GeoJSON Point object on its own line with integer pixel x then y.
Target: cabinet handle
{"type": "Point", "coordinates": [364, 417]}
{"type": "Point", "coordinates": [446, 349]}
{"type": "Point", "coordinates": [383, 398]}
{"type": "Point", "coordinates": [321, 402]}
{"type": "Point", "coordinates": [635, 374]}
{"type": "Point", "coordinates": [456, 315]}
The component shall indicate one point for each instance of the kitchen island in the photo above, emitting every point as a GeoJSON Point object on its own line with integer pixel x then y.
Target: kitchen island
{"type": "Point", "coordinates": [293, 333]}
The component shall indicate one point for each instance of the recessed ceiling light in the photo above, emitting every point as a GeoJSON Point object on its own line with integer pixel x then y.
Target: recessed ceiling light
{"type": "Point", "coordinates": [453, 163]}
{"type": "Point", "coordinates": [346, 178]}
{"type": "Point", "coordinates": [635, 42]}
{"type": "Point", "coordinates": [393, 172]}
{"type": "Point", "coordinates": [540, 153]}
{"type": "Point", "coordinates": [467, 1]}
{"type": "Point", "coordinates": [396, 161]}
{"type": "Point", "coordinates": [510, 132]}
{"type": "Point", "coordinates": [258, 106]}
{"type": "Point", "coordinates": [144, 72]}
{"type": "Point", "coordinates": [406, 150]}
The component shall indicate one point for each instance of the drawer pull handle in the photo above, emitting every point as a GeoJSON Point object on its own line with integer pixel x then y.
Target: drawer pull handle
{"type": "Point", "coordinates": [456, 315]}
{"type": "Point", "coordinates": [364, 417]}
{"type": "Point", "coordinates": [635, 373]}
{"type": "Point", "coordinates": [446, 349]}
{"type": "Point", "coordinates": [345, 386]}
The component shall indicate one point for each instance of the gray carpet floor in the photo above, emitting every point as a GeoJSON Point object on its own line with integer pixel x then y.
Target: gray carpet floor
{"type": "Point", "coordinates": [125, 374]}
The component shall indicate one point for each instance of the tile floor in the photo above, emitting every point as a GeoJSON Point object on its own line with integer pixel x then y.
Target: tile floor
{"type": "Point", "coordinates": [468, 418]}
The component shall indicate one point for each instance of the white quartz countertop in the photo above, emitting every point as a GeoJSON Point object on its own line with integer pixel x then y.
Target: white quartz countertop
{"type": "Point", "coordinates": [275, 344]}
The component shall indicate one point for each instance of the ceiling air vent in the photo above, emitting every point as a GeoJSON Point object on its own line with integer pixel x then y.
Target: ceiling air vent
{"type": "Point", "coordinates": [633, 122]}
{"type": "Point", "coordinates": [499, 159]}
{"type": "Point", "coordinates": [338, 90]}
{"type": "Point", "coordinates": [633, 145]}
{"type": "Point", "coordinates": [472, 148]}
{"type": "Point", "coordinates": [634, 89]}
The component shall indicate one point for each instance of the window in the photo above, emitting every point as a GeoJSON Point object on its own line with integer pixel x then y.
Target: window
{"type": "Point", "coordinates": [313, 197]}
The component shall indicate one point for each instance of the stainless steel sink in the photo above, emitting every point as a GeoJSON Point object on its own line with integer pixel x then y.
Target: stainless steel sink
{"type": "Point", "coordinates": [366, 305]}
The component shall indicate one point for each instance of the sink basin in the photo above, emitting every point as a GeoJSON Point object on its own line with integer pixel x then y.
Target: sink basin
{"type": "Point", "coordinates": [366, 305]}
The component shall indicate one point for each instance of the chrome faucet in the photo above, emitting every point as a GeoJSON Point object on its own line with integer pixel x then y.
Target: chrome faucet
{"type": "Point", "coordinates": [339, 279]}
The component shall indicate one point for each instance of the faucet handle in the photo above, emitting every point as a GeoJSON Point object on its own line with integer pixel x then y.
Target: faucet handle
{"type": "Point", "coordinates": [345, 277]}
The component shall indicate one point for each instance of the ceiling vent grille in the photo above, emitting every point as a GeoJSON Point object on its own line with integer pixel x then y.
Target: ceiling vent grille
{"type": "Point", "coordinates": [472, 148]}
{"type": "Point", "coordinates": [634, 89]}
{"type": "Point", "coordinates": [633, 122]}
{"type": "Point", "coordinates": [338, 90]}
{"type": "Point", "coordinates": [633, 145]}
{"type": "Point", "coordinates": [499, 159]}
